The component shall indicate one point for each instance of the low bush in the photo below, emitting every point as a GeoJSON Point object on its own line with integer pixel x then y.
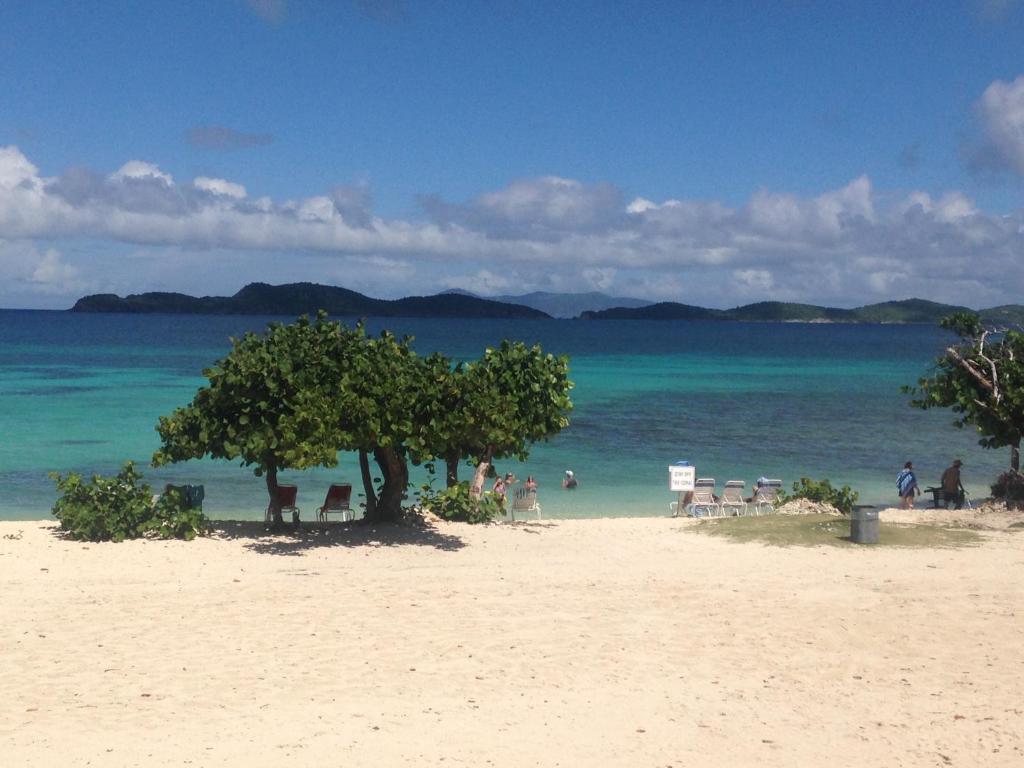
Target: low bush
{"type": "Point", "coordinates": [822, 492]}
{"type": "Point", "coordinates": [1009, 487]}
{"type": "Point", "coordinates": [173, 518]}
{"type": "Point", "coordinates": [121, 507]}
{"type": "Point", "coordinates": [455, 503]}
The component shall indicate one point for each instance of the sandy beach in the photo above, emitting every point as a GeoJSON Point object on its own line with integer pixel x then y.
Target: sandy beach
{"type": "Point", "coordinates": [613, 642]}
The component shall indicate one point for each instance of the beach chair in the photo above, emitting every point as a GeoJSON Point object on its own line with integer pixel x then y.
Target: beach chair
{"type": "Point", "coordinates": [732, 498]}
{"type": "Point", "coordinates": [286, 496]}
{"type": "Point", "coordinates": [766, 497]}
{"type": "Point", "coordinates": [191, 495]}
{"type": "Point", "coordinates": [339, 497]}
{"type": "Point", "coordinates": [524, 501]}
{"type": "Point", "coordinates": [703, 499]}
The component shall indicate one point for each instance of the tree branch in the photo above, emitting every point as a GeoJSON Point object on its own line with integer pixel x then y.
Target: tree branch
{"type": "Point", "coordinates": [971, 371]}
{"type": "Point", "coordinates": [991, 365]}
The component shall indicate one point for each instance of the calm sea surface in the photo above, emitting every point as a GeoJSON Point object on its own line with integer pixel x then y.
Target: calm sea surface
{"type": "Point", "coordinates": [739, 400]}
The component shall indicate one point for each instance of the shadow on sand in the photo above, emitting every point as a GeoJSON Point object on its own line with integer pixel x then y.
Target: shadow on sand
{"type": "Point", "coordinates": [527, 526]}
{"type": "Point", "coordinates": [310, 537]}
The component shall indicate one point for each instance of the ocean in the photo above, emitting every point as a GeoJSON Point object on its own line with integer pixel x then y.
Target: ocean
{"type": "Point", "coordinates": [83, 392]}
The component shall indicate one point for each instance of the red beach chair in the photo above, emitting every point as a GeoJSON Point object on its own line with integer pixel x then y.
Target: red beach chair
{"type": "Point", "coordinates": [286, 495]}
{"type": "Point", "coordinates": [339, 497]}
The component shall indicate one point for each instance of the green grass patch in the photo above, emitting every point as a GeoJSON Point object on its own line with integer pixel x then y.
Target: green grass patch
{"type": "Point", "coordinates": [817, 530]}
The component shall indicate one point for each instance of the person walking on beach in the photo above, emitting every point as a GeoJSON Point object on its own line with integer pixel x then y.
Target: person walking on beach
{"type": "Point", "coordinates": [569, 482]}
{"type": "Point", "coordinates": [952, 486]}
{"type": "Point", "coordinates": [906, 484]}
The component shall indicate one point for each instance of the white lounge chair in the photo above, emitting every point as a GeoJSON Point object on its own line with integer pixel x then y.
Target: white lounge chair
{"type": "Point", "coordinates": [524, 501]}
{"type": "Point", "coordinates": [732, 498]}
{"type": "Point", "coordinates": [704, 498]}
{"type": "Point", "coordinates": [766, 496]}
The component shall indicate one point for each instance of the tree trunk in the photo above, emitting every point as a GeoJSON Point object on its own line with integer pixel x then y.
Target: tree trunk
{"type": "Point", "coordinates": [451, 465]}
{"type": "Point", "coordinates": [275, 502]}
{"type": "Point", "coordinates": [476, 489]}
{"type": "Point", "coordinates": [395, 471]}
{"type": "Point", "coordinates": [1015, 457]}
{"type": "Point", "coordinates": [371, 495]}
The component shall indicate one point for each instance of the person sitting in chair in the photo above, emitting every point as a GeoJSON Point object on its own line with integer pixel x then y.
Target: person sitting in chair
{"type": "Point", "coordinates": [759, 485]}
{"type": "Point", "coordinates": [952, 486]}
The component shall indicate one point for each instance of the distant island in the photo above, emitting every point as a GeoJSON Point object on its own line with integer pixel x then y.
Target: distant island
{"type": "Point", "coordinates": [306, 298]}
{"type": "Point", "coordinates": [906, 311]}
{"type": "Point", "coordinates": [572, 304]}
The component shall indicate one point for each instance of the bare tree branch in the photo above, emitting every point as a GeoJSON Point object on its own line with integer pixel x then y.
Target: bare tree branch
{"type": "Point", "coordinates": [973, 372]}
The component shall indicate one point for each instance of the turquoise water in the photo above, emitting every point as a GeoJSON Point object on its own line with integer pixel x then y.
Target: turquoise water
{"type": "Point", "coordinates": [83, 393]}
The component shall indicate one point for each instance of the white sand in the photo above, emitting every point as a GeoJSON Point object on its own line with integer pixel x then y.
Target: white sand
{"type": "Point", "coordinates": [575, 643]}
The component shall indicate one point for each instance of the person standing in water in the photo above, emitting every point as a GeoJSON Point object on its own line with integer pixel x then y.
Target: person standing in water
{"type": "Point", "coordinates": [569, 482]}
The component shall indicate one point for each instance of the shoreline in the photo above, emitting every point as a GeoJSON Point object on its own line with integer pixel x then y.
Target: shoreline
{"type": "Point", "coordinates": [615, 641]}
{"type": "Point", "coordinates": [924, 510]}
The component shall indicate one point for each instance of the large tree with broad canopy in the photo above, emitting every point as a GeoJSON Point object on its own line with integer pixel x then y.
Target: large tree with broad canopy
{"type": "Point", "coordinates": [295, 396]}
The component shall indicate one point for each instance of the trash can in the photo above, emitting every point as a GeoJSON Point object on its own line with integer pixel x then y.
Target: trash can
{"type": "Point", "coordinates": [864, 525]}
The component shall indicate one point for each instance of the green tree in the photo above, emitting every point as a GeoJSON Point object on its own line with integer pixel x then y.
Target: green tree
{"type": "Point", "coordinates": [295, 396]}
{"type": "Point", "coordinates": [981, 378]}
{"type": "Point", "coordinates": [513, 397]}
{"type": "Point", "coordinates": [385, 397]}
{"type": "Point", "coordinates": [268, 403]}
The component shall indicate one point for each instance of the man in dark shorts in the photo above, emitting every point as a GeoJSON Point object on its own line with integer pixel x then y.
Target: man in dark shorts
{"type": "Point", "coordinates": [952, 486]}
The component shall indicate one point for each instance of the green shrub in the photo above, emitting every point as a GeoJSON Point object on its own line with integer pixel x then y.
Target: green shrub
{"type": "Point", "coordinates": [107, 509]}
{"type": "Point", "coordinates": [121, 507]}
{"type": "Point", "coordinates": [174, 519]}
{"type": "Point", "coordinates": [822, 492]}
{"type": "Point", "coordinates": [1009, 487]}
{"type": "Point", "coordinates": [455, 503]}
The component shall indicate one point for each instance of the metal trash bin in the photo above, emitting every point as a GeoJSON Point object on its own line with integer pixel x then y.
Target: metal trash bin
{"type": "Point", "coordinates": [864, 525]}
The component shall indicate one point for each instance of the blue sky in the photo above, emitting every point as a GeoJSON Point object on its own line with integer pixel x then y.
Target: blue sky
{"type": "Point", "coordinates": [712, 153]}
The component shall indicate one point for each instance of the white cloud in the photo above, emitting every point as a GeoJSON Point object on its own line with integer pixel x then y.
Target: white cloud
{"type": "Point", "coordinates": [545, 208]}
{"type": "Point", "coordinates": [15, 169]}
{"type": "Point", "coordinates": [843, 246]}
{"type": "Point", "coordinates": [1001, 109]}
{"type": "Point", "coordinates": [949, 208]}
{"type": "Point", "coordinates": [484, 282]}
{"type": "Point", "coordinates": [27, 272]}
{"type": "Point", "coordinates": [54, 274]}
{"type": "Point", "coordinates": [641, 205]}
{"type": "Point", "coordinates": [824, 217]}
{"type": "Point", "coordinates": [137, 169]}
{"type": "Point", "coordinates": [219, 187]}
{"type": "Point", "coordinates": [598, 278]}
{"type": "Point", "coordinates": [760, 280]}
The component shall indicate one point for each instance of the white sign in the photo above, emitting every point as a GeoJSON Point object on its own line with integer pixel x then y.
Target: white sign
{"type": "Point", "coordinates": [681, 478]}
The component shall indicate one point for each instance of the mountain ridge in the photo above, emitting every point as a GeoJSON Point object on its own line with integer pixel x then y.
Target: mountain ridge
{"type": "Point", "coordinates": [911, 310]}
{"type": "Point", "coordinates": [307, 298]}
